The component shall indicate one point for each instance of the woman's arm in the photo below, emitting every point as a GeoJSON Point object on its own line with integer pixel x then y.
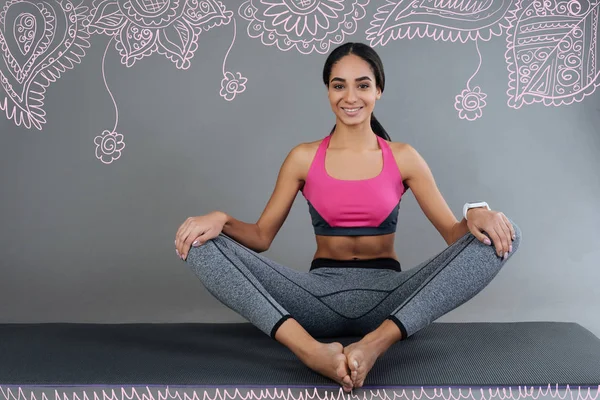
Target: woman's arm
{"type": "Point", "coordinates": [419, 178]}
{"type": "Point", "coordinates": [260, 235]}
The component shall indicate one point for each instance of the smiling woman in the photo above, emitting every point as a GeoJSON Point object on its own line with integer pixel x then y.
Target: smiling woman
{"type": "Point", "coordinates": [360, 58]}
{"type": "Point", "coordinates": [353, 181]}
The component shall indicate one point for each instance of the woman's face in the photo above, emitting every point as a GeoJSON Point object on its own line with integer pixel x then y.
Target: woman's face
{"type": "Point", "coordinates": [352, 91]}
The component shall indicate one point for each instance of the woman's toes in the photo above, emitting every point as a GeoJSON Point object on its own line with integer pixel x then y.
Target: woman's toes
{"type": "Point", "coordinates": [358, 372]}
{"type": "Point", "coordinates": [354, 365]}
{"type": "Point", "coordinates": [341, 367]}
{"type": "Point", "coordinates": [347, 381]}
{"type": "Point", "coordinates": [347, 384]}
{"type": "Point", "coordinates": [342, 372]}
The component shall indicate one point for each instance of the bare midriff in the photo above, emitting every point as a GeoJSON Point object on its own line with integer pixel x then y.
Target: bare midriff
{"type": "Point", "coordinates": [355, 247]}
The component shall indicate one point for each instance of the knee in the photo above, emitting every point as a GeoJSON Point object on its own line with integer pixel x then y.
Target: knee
{"type": "Point", "coordinates": [200, 256]}
{"type": "Point", "coordinates": [518, 235]}
{"type": "Point", "coordinates": [517, 242]}
{"type": "Point", "coordinates": [489, 252]}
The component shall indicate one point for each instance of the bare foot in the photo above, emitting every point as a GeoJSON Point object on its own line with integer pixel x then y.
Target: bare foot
{"type": "Point", "coordinates": [328, 359]}
{"type": "Point", "coordinates": [360, 357]}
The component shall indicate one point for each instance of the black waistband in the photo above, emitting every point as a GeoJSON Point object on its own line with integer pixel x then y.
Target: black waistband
{"type": "Point", "coordinates": [377, 263]}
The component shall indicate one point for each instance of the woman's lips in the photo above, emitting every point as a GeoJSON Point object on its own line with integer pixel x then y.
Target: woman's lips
{"type": "Point", "coordinates": [351, 111]}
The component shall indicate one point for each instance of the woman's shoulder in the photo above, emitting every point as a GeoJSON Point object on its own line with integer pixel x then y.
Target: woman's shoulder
{"type": "Point", "coordinates": [399, 148]}
{"type": "Point", "coordinates": [306, 149]}
{"type": "Point", "coordinates": [302, 155]}
{"type": "Point", "coordinates": [406, 157]}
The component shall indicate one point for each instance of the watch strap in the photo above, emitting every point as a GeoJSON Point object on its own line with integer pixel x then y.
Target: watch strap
{"type": "Point", "coordinates": [476, 204]}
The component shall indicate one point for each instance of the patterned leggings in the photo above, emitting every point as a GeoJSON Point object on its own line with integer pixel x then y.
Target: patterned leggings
{"type": "Point", "coordinates": [349, 297]}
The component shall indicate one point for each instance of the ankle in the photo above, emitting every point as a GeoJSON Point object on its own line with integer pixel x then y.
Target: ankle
{"type": "Point", "coordinates": [384, 336]}
{"type": "Point", "coordinates": [292, 335]}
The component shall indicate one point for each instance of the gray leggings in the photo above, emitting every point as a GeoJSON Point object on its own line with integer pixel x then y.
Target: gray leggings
{"type": "Point", "coordinates": [339, 298]}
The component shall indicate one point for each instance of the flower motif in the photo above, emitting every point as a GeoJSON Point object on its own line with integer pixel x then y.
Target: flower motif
{"type": "Point", "coordinates": [109, 146]}
{"type": "Point", "coordinates": [307, 25]}
{"type": "Point", "coordinates": [39, 41]}
{"type": "Point", "coordinates": [441, 20]}
{"type": "Point", "coordinates": [169, 27]}
{"type": "Point", "coordinates": [469, 103]}
{"type": "Point", "coordinates": [230, 85]}
{"type": "Point", "coordinates": [554, 61]}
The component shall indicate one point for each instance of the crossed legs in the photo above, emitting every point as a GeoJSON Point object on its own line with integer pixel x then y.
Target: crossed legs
{"type": "Point", "coordinates": [295, 307]}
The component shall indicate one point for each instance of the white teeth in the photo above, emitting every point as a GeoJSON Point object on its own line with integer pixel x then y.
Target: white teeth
{"type": "Point", "coordinates": [352, 109]}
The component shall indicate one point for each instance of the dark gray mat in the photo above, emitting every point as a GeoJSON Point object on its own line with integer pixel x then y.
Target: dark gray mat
{"type": "Point", "coordinates": [443, 354]}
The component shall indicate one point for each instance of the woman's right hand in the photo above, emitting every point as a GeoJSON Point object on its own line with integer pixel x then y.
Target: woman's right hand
{"type": "Point", "coordinates": [195, 231]}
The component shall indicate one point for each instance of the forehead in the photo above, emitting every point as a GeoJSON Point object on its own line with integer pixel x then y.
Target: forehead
{"type": "Point", "coordinates": [351, 66]}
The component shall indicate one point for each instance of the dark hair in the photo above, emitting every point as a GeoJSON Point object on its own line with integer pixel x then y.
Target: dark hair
{"type": "Point", "coordinates": [369, 55]}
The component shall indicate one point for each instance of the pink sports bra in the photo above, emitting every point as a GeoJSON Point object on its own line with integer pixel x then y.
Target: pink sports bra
{"type": "Point", "coordinates": [354, 207]}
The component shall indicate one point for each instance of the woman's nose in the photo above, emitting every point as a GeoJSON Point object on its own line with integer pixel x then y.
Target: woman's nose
{"type": "Point", "coordinates": [350, 96]}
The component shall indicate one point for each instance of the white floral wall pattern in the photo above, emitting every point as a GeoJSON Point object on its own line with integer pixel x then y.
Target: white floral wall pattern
{"type": "Point", "coordinates": [40, 40]}
{"type": "Point", "coordinates": [167, 27]}
{"type": "Point", "coordinates": [470, 102]}
{"type": "Point", "coordinates": [304, 25]}
{"type": "Point", "coordinates": [553, 53]}
{"type": "Point", "coordinates": [446, 20]}
{"type": "Point", "coordinates": [141, 28]}
{"type": "Point", "coordinates": [552, 45]}
{"type": "Point", "coordinates": [231, 84]}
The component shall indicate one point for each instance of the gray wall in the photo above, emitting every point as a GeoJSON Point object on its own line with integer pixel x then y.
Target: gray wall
{"type": "Point", "coordinates": [88, 239]}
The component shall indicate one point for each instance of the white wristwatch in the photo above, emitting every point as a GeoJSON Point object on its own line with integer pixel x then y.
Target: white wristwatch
{"type": "Point", "coordinates": [478, 204]}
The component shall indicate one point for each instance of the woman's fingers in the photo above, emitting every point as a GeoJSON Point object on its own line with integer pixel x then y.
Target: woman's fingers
{"type": "Point", "coordinates": [504, 235]}
{"type": "Point", "coordinates": [511, 228]}
{"type": "Point", "coordinates": [189, 238]}
{"type": "Point", "coordinates": [479, 235]}
{"type": "Point", "coordinates": [179, 236]}
{"type": "Point", "coordinates": [185, 235]}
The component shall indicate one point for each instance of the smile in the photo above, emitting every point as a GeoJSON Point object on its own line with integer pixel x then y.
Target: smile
{"type": "Point", "coordinates": [351, 111]}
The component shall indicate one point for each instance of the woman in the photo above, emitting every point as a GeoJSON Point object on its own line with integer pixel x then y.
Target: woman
{"type": "Point", "coordinates": [353, 181]}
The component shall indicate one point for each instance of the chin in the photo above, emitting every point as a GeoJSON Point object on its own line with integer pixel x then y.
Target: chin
{"type": "Point", "coordinates": [352, 121]}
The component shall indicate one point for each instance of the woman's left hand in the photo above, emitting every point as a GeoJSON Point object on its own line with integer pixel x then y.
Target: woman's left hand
{"type": "Point", "coordinates": [496, 225]}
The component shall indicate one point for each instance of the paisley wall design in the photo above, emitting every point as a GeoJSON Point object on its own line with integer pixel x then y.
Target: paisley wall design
{"type": "Point", "coordinates": [303, 25]}
{"type": "Point", "coordinates": [40, 41]}
{"type": "Point", "coordinates": [551, 55]}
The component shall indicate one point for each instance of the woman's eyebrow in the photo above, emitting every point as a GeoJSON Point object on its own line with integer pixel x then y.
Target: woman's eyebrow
{"type": "Point", "coordinates": [362, 78]}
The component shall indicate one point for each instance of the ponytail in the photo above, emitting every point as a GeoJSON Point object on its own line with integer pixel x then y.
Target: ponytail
{"type": "Point", "coordinates": [378, 129]}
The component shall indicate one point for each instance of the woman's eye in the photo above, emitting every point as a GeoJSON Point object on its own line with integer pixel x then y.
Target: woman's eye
{"type": "Point", "coordinates": [365, 86]}
{"type": "Point", "coordinates": [337, 86]}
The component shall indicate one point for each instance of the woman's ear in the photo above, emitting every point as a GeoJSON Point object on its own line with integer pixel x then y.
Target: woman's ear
{"type": "Point", "coordinates": [378, 93]}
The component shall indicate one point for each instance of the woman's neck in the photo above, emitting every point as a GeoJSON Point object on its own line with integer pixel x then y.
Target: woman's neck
{"type": "Point", "coordinates": [356, 137]}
